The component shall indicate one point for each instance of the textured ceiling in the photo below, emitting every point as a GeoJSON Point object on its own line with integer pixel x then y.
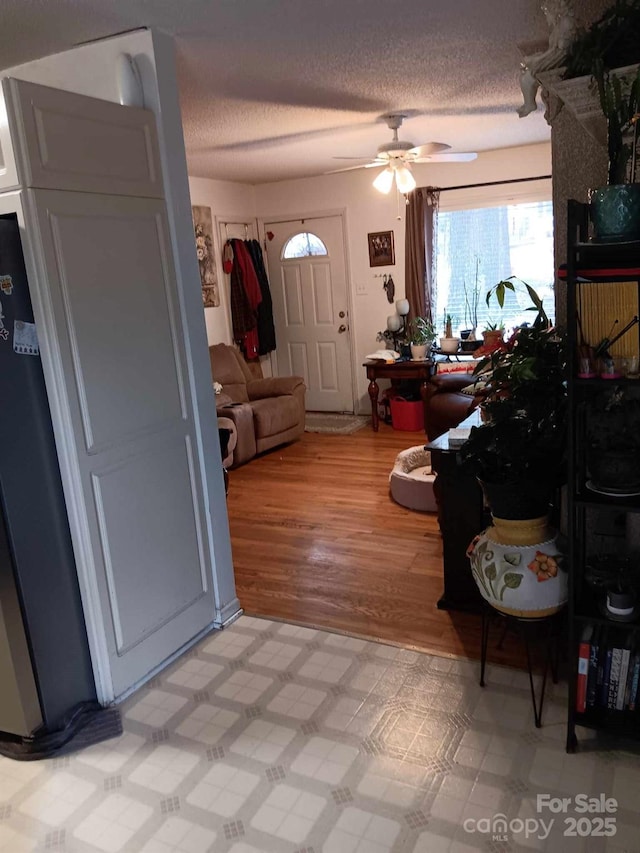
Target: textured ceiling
{"type": "Point", "coordinates": [274, 89]}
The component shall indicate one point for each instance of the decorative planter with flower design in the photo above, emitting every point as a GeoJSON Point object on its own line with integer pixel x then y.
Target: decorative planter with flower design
{"type": "Point", "coordinates": [518, 568]}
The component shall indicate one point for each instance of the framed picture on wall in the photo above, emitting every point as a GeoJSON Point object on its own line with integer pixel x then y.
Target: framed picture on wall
{"type": "Point", "coordinates": [203, 230]}
{"type": "Point", "coordinates": [381, 253]}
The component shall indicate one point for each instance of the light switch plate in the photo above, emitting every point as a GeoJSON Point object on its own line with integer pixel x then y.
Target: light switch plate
{"type": "Point", "coordinates": [361, 289]}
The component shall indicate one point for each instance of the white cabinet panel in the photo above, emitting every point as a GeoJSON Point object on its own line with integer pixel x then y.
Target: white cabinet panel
{"type": "Point", "coordinates": [72, 142]}
{"type": "Point", "coordinates": [157, 550]}
{"type": "Point", "coordinates": [118, 313]}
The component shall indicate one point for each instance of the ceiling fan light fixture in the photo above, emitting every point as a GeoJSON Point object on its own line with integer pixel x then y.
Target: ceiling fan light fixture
{"type": "Point", "coordinates": [384, 180]}
{"type": "Point", "coordinates": [405, 180]}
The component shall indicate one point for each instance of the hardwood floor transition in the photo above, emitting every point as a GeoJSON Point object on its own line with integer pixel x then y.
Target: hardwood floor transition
{"type": "Point", "coordinates": [318, 540]}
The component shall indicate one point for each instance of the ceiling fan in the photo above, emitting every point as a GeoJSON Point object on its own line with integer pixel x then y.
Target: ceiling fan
{"type": "Point", "coordinates": [398, 156]}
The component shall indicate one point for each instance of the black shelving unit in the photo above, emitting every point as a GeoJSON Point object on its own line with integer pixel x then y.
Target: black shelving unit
{"type": "Point", "coordinates": [587, 262]}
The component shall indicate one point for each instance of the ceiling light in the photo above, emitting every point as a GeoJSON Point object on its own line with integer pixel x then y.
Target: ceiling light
{"type": "Point", "coordinates": [384, 180]}
{"type": "Point", "coordinates": [405, 180]}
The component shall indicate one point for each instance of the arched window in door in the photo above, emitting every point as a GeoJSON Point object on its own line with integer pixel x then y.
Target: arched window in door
{"type": "Point", "coordinates": [303, 245]}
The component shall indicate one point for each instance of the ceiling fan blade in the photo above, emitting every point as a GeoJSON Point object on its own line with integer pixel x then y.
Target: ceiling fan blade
{"type": "Point", "coordinates": [462, 157]}
{"type": "Point", "coordinates": [351, 168]}
{"type": "Point", "coordinates": [354, 158]}
{"type": "Point", "coordinates": [429, 148]}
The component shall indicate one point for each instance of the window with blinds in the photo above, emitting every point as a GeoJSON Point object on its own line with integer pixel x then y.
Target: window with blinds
{"type": "Point", "coordinates": [477, 247]}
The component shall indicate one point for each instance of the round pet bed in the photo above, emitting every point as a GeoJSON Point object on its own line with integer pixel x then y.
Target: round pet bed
{"type": "Point", "coordinates": [411, 480]}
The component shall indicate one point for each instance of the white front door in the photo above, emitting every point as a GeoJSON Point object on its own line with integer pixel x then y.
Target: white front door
{"type": "Point", "coordinates": [311, 314]}
{"type": "Point", "coordinates": [108, 312]}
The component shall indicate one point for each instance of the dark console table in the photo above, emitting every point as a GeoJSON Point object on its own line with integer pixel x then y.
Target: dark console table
{"type": "Point", "coordinates": [420, 370]}
{"type": "Point", "coordinates": [461, 516]}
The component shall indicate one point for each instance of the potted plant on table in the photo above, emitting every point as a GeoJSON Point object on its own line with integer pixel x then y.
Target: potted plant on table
{"type": "Point", "coordinates": [518, 455]}
{"type": "Point", "coordinates": [449, 343]}
{"type": "Point", "coordinates": [423, 334]}
{"type": "Point", "coordinates": [492, 338]}
{"type": "Point", "coordinates": [469, 341]}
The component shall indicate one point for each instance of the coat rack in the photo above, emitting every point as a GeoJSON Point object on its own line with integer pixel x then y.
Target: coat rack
{"type": "Point", "coordinates": [245, 224]}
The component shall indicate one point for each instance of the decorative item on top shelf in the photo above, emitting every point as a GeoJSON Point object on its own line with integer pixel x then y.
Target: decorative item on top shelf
{"type": "Point", "coordinates": [562, 29]}
{"type": "Point", "coordinates": [518, 454]}
{"type": "Point", "coordinates": [615, 209]}
{"type": "Point", "coordinates": [606, 52]}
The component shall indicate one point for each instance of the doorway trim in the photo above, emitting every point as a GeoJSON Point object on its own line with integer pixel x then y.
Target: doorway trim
{"type": "Point", "coordinates": [326, 214]}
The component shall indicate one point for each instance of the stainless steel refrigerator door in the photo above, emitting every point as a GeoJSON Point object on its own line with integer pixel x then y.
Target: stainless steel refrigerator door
{"type": "Point", "coordinates": [19, 704]}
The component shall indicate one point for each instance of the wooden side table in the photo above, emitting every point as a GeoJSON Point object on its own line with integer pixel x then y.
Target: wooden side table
{"type": "Point", "coordinates": [418, 370]}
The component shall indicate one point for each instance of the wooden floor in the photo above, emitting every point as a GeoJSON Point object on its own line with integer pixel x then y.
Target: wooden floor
{"type": "Point", "coordinates": [318, 540]}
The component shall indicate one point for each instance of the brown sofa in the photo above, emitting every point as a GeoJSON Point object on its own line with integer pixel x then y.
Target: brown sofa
{"type": "Point", "coordinates": [266, 412]}
{"type": "Point", "coordinates": [445, 404]}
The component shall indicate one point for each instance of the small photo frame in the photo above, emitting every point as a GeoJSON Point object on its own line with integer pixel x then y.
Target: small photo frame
{"type": "Point", "coordinates": [381, 253]}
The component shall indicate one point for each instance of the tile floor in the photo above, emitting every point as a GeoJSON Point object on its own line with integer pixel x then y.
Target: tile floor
{"type": "Point", "coordinates": [272, 738]}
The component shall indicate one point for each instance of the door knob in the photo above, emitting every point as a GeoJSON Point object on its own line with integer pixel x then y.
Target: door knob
{"type": "Point", "coordinates": [342, 328]}
{"type": "Point", "coordinates": [341, 314]}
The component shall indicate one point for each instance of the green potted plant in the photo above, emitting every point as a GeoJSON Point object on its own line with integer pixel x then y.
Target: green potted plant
{"type": "Point", "coordinates": [521, 445]}
{"type": "Point", "coordinates": [492, 337]}
{"type": "Point", "coordinates": [613, 440]}
{"type": "Point", "coordinates": [604, 52]}
{"type": "Point", "coordinates": [423, 334]}
{"type": "Point", "coordinates": [449, 343]}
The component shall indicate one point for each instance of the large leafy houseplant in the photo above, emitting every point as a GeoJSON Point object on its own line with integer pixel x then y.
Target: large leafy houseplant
{"type": "Point", "coordinates": [521, 443]}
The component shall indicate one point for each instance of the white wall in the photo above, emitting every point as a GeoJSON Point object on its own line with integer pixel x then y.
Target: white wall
{"type": "Point", "coordinates": [367, 210]}
{"type": "Point", "coordinates": [229, 202]}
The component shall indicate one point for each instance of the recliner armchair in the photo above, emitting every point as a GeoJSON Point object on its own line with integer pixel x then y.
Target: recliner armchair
{"type": "Point", "coordinates": [266, 411]}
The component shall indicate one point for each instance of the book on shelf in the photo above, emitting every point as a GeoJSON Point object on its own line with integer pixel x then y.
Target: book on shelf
{"type": "Point", "coordinates": [584, 653]}
{"type": "Point", "coordinates": [614, 677]}
{"type": "Point", "coordinates": [603, 697]}
{"type": "Point", "coordinates": [629, 681]}
{"type": "Point", "coordinates": [594, 660]}
{"type": "Point", "coordinates": [633, 693]}
{"type": "Point", "coordinates": [608, 670]}
{"type": "Point", "coordinates": [622, 683]}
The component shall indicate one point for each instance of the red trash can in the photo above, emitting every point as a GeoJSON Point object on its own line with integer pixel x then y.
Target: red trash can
{"type": "Point", "coordinates": [407, 414]}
